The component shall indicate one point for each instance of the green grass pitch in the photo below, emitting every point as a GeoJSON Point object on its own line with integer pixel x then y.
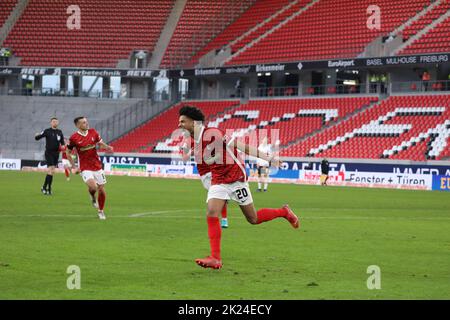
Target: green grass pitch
{"type": "Point", "coordinates": [155, 228]}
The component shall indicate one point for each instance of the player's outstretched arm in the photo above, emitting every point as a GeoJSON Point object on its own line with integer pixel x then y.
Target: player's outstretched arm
{"type": "Point", "coordinates": [254, 152]}
{"type": "Point", "coordinates": [105, 146]}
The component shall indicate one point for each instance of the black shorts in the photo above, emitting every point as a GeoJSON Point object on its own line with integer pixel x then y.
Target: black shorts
{"type": "Point", "coordinates": [262, 170]}
{"type": "Point", "coordinates": [51, 158]}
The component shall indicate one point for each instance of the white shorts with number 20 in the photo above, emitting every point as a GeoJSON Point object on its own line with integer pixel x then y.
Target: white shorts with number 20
{"type": "Point", "coordinates": [237, 191]}
{"type": "Point", "coordinates": [98, 176]}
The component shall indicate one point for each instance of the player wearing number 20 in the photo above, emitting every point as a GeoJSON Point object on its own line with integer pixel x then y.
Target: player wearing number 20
{"type": "Point", "coordinates": [229, 179]}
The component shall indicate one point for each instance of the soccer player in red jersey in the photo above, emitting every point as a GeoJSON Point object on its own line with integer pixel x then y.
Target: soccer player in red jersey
{"type": "Point", "coordinates": [229, 179]}
{"type": "Point", "coordinates": [205, 177]}
{"type": "Point", "coordinates": [85, 141]}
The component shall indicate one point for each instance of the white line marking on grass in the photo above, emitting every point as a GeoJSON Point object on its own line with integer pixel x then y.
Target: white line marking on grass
{"type": "Point", "coordinates": [88, 216]}
{"type": "Point", "coordinates": [149, 214]}
{"type": "Point", "coordinates": [137, 215]}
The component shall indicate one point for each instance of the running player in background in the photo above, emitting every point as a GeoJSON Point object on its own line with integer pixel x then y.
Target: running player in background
{"type": "Point", "coordinates": [85, 141]}
{"type": "Point", "coordinates": [263, 165]}
{"type": "Point", "coordinates": [205, 176]}
{"type": "Point", "coordinates": [229, 180]}
{"type": "Point", "coordinates": [65, 162]}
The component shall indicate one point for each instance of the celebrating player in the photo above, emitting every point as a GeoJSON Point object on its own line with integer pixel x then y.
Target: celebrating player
{"type": "Point", "coordinates": [85, 141]}
{"type": "Point", "coordinates": [229, 179]}
{"type": "Point", "coordinates": [205, 177]}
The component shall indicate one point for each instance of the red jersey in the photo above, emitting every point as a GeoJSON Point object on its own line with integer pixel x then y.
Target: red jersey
{"type": "Point", "coordinates": [202, 167]}
{"type": "Point", "coordinates": [226, 166]}
{"type": "Point", "coordinates": [85, 145]}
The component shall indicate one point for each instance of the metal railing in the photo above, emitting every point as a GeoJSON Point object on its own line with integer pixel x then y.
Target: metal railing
{"type": "Point", "coordinates": [420, 86]}
{"type": "Point", "coordinates": [160, 95]}
{"type": "Point", "coordinates": [273, 92]}
{"type": "Point", "coordinates": [52, 92]}
{"type": "Point", "coordinates": [305, 91]}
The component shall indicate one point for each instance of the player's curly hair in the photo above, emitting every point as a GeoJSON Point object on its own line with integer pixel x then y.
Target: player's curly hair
{"type": "Point", "coordinates": [192, 112]}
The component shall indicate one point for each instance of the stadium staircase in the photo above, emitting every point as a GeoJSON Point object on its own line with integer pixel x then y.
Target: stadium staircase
{"type": "Point", "coordinates": [166, 34]}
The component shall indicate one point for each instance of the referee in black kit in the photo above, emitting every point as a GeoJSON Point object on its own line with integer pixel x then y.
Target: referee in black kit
{"type": "Point", "coordinates": [54, 138]}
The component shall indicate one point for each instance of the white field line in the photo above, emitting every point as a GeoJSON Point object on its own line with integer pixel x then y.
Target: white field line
{"type": "Point", "coordinates": [166, 215]}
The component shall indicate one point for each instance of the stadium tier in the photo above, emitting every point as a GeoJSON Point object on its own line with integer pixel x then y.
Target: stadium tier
{"type": "Point", "coordinates": [111, 30]}
{"type": "Point", "coordinates": [261, 31]}
{"type": "Point", "coordinates": [328, 29]}
{"type": "Point", "coordinates": [400, 127]}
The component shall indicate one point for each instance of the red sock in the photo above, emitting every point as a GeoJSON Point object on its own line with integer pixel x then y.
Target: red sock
{"type": "Point", "coordinates": [66, 171]}
{"type": "Point", "coordinates": [268, 214]}
{"type": "Point", "coordinates": [101, 200]}
{"type": "Point", "coordinates": [214, 234]}
{"type": "Point", "coordinates": [224, 211]}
